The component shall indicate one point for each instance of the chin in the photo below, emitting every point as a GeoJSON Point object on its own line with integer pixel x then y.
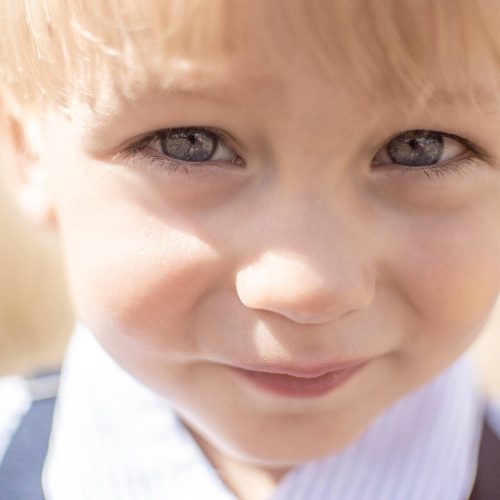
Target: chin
{"type": "Point", "coordinates": [280, 449]}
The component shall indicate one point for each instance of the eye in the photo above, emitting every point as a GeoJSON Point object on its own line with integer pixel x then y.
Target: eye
{"type": "Point", "coordinates": [421, 148]}
{"type": "Point", "coordinates": [186, 148]}
{"type": "Point", "coordinates": [192, 145]}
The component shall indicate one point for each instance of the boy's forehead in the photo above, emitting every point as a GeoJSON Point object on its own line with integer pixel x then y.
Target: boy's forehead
{"type": "Point", "coordinates": [192, 46]}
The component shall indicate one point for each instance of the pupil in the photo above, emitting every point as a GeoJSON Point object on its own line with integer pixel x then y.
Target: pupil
{"type": "Point", "coordinates": [191, 145]}
{"type": "Point", "coordinates": [416, 148]}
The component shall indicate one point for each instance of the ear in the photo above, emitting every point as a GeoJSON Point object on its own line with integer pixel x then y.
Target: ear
{"type": "Point", "coordinates": [21, 140]}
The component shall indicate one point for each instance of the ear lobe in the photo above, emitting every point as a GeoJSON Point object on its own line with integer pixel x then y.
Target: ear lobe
{"type": "Point", "coordinates": [34, 199]}
{"type": "Point", "coordinates": [20, 142]}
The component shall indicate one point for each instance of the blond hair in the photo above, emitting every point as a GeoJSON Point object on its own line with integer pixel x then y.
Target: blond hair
{"type": "Point", "coordinates": [52, 50]}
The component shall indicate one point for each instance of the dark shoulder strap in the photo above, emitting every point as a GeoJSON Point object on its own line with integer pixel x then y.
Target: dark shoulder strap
{"type": "Point", "coordinates": [487, 485]}
{"type": "Point", "coordinates": [21, 467]}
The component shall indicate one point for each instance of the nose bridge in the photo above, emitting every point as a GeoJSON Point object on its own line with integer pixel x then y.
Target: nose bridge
{"type": "Point", "coordinates": [313, 267]}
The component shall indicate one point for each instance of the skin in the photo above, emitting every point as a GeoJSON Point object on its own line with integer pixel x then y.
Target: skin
{"type": "Point", "coordinates": [304, 253]}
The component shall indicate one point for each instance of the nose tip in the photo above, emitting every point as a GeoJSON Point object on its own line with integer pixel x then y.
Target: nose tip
{"type": "Point", "coordinates": [288, 286]}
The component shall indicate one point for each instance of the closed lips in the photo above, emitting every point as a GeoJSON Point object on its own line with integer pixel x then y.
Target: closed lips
{"type": "Point", "coordinates": [299, 382]}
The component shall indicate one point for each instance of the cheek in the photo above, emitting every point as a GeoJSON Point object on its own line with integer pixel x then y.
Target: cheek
{"type": "Point", "coordinates": [449, 268]}
{"type": "Point", "coordinates": [133, 275]}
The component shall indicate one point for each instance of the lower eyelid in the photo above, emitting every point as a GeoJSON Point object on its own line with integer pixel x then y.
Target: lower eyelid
{"type": "Point", "coordinates": [139, 159]}
{"type": "Point", "coordinates": [434, 173]}
{"type": "Point", "coordinates": [163, 165]}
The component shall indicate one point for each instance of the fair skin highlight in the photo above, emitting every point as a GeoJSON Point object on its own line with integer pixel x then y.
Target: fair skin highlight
{"type": "Point", "coordinates": [302, 252]}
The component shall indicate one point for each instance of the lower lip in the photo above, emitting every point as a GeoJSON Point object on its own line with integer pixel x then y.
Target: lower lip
{"type": "Point", "coordinates": [298, 387]}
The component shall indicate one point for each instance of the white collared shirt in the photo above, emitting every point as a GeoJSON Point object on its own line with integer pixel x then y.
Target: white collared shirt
{"type": "Point", "coordinates": [113, 438]}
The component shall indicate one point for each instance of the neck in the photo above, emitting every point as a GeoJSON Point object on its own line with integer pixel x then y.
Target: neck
{"type": "Point", "coordinates": [246, 480]}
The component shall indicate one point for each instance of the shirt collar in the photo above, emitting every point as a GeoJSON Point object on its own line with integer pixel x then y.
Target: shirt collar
{"type": "Point", "coordinates": [114, 438]}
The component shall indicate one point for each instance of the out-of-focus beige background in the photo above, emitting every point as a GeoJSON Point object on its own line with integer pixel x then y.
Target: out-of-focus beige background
{"type": "Point", "coordinates": [35, 314]}
{"type": "Point", "coordinates": [36, 317]}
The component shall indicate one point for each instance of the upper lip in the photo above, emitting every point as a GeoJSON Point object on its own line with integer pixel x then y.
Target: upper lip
{"type": "Point", "coordinates": [301, 370]}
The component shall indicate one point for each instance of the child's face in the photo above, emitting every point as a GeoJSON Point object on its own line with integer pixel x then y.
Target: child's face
{"type": "Point", "coordinates": [296, 243]}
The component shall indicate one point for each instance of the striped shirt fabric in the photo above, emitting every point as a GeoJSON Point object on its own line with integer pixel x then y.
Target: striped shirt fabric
{"type": "Point", "coordinates": [113, 439]}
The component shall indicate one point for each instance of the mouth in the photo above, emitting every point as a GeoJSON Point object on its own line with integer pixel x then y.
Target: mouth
{"type": "Point", "coordinates": [300, 382]}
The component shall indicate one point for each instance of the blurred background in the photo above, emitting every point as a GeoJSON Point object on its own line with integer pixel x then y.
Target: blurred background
{"type": "Point", "coordinates": [35, 312]}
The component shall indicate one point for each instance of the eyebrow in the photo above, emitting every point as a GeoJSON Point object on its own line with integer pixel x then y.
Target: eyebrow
{"type": "Point", "coordinates": [475, 95]}
{"type": "Point", "coordinates": [197, 83]}
{"type": "Point", "coordinates": [206, 83]}
{"type": "Point", "coordinates": [201, 85]}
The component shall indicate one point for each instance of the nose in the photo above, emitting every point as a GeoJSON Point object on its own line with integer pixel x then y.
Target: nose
{"type": "Point", "coordinates": [304, 287]}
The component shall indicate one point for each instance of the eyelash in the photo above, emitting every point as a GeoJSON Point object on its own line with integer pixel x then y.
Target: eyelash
{"type": "Point", "coordinates": [165, 165]}
{"type": "Point", "coordinates": [456, 167]}
{"type": "Point", "coordinates": [450, 167]}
